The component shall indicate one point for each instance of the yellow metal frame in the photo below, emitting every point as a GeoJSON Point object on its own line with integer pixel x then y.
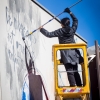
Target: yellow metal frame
{"type": "Point", "coordinates": [85, 87]}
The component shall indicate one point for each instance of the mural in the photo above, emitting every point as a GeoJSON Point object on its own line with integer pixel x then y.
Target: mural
{"type": "Point", "coordinates": [19, 56]}
{"type": "Point", "coordinates": [19, 22]}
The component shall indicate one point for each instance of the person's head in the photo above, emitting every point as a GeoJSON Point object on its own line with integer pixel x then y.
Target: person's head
{"type": "Point", "coordinates": [65, 22]}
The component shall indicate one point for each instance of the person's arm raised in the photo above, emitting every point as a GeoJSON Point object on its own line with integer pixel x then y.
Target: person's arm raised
{"type": "Point", "coordinates": [75, 20]}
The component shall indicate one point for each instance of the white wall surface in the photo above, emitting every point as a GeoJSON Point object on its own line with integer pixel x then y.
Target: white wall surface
{"type": "Point", "coordinates": [18, 18]}
{"type": "Point", "coordinates": [45, 53]}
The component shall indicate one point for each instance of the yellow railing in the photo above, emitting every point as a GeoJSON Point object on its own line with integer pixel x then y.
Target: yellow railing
{"type": "Point", "coordinates": [64, 92]}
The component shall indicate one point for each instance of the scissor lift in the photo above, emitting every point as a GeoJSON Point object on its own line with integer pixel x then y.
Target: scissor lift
{"type": "Point", "coordinates": [66, 92]}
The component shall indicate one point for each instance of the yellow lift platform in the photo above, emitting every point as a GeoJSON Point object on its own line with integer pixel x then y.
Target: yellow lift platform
{"type": "Point", "coordinates": [66, 92]}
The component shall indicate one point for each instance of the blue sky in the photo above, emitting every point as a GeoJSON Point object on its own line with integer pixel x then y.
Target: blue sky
{"type": "Point", "coordinates": [87, 12]}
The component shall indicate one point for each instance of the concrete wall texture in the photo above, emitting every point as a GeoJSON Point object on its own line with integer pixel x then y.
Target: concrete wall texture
{"type": "Point", "coordinates": [18, 18]}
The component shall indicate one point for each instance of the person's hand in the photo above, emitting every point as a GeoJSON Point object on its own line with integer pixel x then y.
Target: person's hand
{"type": "Point", "coordinates": [67, 10]}
{"type": "Point", "coordinates": [40, 27]}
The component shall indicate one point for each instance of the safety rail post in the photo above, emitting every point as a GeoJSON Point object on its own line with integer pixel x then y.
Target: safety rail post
{"type": "Point", "coordinates": [77, 91]}
{"type": "Point", "coordinates": [98, 64]}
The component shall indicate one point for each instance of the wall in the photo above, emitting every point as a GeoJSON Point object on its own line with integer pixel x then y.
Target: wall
{"type": "Point", "coordinates": [18, 18]}
{"type": "Point", "coordinates": [44, 60]}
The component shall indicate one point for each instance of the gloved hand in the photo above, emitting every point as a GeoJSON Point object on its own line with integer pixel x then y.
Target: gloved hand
{"type": "Point", "coordinates": [67, 10]}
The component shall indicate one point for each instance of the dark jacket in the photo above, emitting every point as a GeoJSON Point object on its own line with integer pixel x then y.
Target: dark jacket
{"type": "Point", "coordinates": [65, 36]}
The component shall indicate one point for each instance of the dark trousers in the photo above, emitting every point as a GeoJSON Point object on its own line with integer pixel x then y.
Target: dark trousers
{"type": "Point", "coordinates": [73, 77]}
